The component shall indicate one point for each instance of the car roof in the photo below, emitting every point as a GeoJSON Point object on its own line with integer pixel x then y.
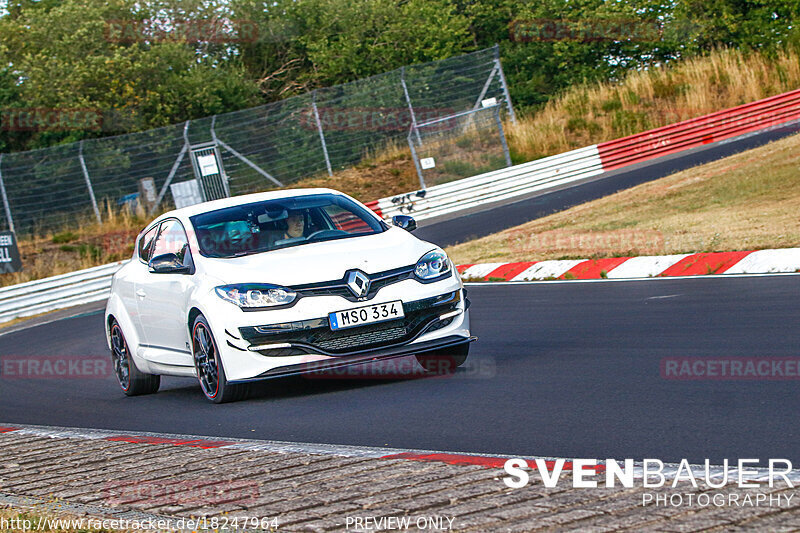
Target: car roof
{"type": "Point", "coordinates": [186, 212]}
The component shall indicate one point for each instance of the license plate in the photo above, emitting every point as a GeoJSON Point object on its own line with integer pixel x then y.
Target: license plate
{"type": "Point", "coordinates": [369, 314]}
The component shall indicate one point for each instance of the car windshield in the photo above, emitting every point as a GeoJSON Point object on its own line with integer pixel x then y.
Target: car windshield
{"type": "Point", "coordinates": [281, 223]}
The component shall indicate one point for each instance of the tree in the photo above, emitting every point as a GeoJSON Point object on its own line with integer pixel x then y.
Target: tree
{"type": "Point", "coordinates": [763, 25]}
{"type": "Point", "coordinates": [316, 43]}
{"type": "Point", "coordinates": [108, 58]}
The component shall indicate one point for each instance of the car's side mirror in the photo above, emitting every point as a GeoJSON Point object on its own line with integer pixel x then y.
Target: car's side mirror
{"type": "Point", "coordinates": [168, 264]}
{"type": "Point", "coordinates": [404, 221]}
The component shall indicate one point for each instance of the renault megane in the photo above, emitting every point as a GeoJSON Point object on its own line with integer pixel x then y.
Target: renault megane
{"type": "Point", "coordinates": [279, 283]}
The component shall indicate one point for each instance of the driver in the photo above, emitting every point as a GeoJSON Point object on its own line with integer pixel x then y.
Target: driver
{"type": "Point", "coordinates": [295, 224]}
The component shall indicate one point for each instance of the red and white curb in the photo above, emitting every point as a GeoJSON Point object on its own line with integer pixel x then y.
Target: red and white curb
{"type": "Point", "coordinates": [754, 262]}
{"type": "Point", "coordinates": [669, 470]}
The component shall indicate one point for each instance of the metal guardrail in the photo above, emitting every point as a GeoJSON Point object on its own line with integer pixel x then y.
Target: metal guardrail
{"type": "Point", "coordinates": [57, 292]}
{"type": "Point", "coordinates": [494, 186]}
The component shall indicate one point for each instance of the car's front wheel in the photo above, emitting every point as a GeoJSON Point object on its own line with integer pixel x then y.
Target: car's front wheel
{"type": "Point", "coordinates": [132, 381]}
{"type": "Point", "coordinates": [446, 360]}
{"type": "Point", "coordinates": [208, 364]}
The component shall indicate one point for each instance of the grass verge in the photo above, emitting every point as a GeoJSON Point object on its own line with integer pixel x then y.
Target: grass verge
{"type": "Point", "coordinates": [644, 100]}
{"type": "Point", "coordinates": [748, 201]}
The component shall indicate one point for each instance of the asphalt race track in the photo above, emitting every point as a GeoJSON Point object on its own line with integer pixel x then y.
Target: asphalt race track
{"type": "Point", "coordinates": [561, 369]}
{"type": "Point", "coordinates": [513, 213]}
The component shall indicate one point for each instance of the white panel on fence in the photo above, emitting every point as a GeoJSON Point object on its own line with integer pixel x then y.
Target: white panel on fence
{"type": "Point", "coordinates": [207, 164]}
{"type": "Point", "coordinates": [427, 162]}
{"type": "Point", "coordinates": [186, 193]}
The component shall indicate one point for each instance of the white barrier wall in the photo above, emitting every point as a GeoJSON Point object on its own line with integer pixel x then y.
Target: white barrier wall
{"type": "Point", "coordinates": [495, 186]}
{"type": "Point", "coordinates": [57, 292]}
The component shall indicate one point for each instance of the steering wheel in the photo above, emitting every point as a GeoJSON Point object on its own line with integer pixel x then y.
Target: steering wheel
{"type": "Point", "coordinates": [326, 233]}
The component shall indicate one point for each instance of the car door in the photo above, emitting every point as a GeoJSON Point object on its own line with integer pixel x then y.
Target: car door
{"type": "Point", "coordinates": [162, 300]}
{"type": "Point", "coordinates": [127, 279]}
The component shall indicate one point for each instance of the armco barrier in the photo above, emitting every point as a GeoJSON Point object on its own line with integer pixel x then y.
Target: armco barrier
{"type": "Point", "coordinates": [586, 162]}
{"type": "Point", "coordinates": [93, 284]}
{"type": "Point", "coordinates": [696, 132]}
{"type": "Point", "coordinates": [57, 292]}
{"type": "Point", "coordinates": [494, 186]}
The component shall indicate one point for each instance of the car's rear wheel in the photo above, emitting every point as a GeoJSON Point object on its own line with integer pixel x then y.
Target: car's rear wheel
{"type": "Point", "coordinates": [132, 381]}
{"type": "Point", "coordinates": [208, 363]}
{"type": "Point", "coordinates": [446, 360]}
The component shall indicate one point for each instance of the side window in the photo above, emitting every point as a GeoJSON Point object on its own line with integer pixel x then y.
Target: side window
{"type": "Point", "coordinates": [146, 244]}
{"type": "Point", "coordinates": [172, 240]}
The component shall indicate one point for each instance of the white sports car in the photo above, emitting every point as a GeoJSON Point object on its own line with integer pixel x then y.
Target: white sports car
{"type": "Point", "coordinates": [279, 283]}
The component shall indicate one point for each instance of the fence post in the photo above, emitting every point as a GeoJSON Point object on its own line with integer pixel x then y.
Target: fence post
{"type": "Point", "coordinates": [505, 85]}
{"type": "Point", "coordinates": [502, 135]}
{"type": "Point", "coordinates": [416, 158]}
{"type": "Point", "coordinates": [174, 168]}
{"type": "Point", "coordinates": [321, 134]}
{"type": "Point", "coordinates": [5, 198]}
{"type": "Point", "coordinates": [486, 86]}
{"type": "Point", "coordinates": [410, 107]}
{"type": "Point", "coordinates": [240, 156]}
{"type": "Point", "coordinates": [88, 182]}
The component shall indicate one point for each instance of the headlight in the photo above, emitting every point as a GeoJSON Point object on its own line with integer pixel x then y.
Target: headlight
{"type": "Point", "coordinates": [252, 296]}
{"type": "Point", "coordinates": [432, 265]}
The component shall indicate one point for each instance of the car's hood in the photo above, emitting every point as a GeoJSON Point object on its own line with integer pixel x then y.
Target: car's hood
{"type": "Point", "coordinates": [321, 261]}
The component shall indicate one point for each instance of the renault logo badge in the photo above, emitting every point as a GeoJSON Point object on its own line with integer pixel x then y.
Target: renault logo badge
{"type": "Point", "coordinates": [358, 283]}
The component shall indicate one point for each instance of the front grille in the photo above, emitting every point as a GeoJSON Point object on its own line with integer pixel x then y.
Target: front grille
{"type": "Point", "coordinates": [316, 335]}
{"type": "Point", "coordinates": [360, 340]}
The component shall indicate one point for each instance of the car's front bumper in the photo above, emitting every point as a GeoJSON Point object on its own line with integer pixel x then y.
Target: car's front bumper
{"type": "Point", "coordinates": [253, 344]}
{"type": "Point", "coordinates": [362, 358]}
{"type": "Point", "coordinates": [315, 336]}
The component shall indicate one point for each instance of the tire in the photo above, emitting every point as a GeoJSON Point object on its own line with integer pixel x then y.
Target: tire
{"type": "Point", "coordinates": [132, 381]}
{"type": "Point", "coordinates": [446, 360]}
{"type": "Point", "coordinates": [208, 364]}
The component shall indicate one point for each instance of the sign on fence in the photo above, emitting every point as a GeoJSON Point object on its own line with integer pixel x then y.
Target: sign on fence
{"type": "Point", "coordinates": [186, 193]}
{"type": "Point", "coordinates": [9, 253]}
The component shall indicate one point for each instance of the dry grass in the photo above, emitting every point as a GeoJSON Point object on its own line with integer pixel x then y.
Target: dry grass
{"type": "Point", "coordinates": [387, 172]}
{"type": "Point", "coordinates": [748, 201]}
{"type": "Point", "coordinates": [648, 99]}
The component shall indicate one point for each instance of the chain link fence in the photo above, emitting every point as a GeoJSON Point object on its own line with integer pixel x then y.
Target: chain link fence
{"type": "Point", "coordinates": [459, 146]}
{"type": "Point", "coordinates": [256, 149]}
